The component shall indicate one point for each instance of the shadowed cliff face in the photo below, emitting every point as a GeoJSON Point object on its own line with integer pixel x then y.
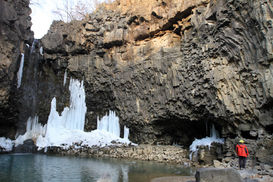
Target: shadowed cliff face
{"type": "Point", "coordinates": [15, 33]}
{"type": "Point", "coordinates": [168, 68]}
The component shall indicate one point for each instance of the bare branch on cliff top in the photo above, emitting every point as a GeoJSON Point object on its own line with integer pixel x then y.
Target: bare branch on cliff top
{"type": "Point", "coordinates": [68, 10]}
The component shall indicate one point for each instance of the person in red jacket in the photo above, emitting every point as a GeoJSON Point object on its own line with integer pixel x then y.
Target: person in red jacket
{"type": "Point", "coordinates": [242, 152]}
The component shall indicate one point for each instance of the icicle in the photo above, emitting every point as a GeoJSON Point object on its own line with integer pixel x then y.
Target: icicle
{"type": "Point", "coordinates": [75, 118]}
{"type": "Point", "coordinates": [109, 123]}
{"type": "Point", "coordinates": [72, 117]}
{"type": "Point", "coordinates": [126, 133]}
{"type": "Point", "coordinates": [20, 71]}
{"type": "Point", "coordinates": [65, 76]}
{"type": "Point", "coordinates": [41, 50]}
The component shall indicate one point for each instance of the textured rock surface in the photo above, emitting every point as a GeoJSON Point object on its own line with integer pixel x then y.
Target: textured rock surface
{"type": "Point", "coordinates": [27, 147]}
{"type": "Point", "coordinates": [168, 70]}
{"type": "Point", "coordinates": [15, 33]}
{"type": "Point", "coordinates": [217, 175]}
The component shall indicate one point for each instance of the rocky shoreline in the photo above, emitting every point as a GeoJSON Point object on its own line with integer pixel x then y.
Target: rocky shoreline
{"type": "Point", "coordinates": [169, 154]}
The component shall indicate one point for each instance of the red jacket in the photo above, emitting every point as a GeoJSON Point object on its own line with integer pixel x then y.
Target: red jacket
{"type": "Point", "coordinates": [241, 150]}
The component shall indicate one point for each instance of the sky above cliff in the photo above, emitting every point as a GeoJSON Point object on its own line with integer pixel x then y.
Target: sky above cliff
{"type": "Point", "coordinates": [42, 17]}
{"type": "Point", "coordinates": [42, 13]}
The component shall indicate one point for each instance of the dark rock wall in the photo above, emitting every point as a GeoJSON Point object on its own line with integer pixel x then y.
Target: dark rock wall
{"type": "Point", "coordinates": [15, 33]}
{"type": "Point", "coordinates": [173, 68]}
{"type": "Point", "coordinates": [169, 70]}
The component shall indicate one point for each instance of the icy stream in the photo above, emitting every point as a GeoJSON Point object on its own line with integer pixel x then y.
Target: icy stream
{"type": "Point", "coordinates": [20, 71]}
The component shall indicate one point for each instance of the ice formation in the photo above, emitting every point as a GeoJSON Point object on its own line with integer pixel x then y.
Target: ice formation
{"type": "Point", "coordinates": [33, 131]}
{"type": "Point", "coordinates": [20, 71]}
{"type": "Point", "coordinates": [65, 76]}
{"type": "Point", "coordinates": [214, 137]}
{"type": "Point", "coordinates": [68, 128]}
{"type": "Point", "coordinates": [126, 133]}
{"type": "Point", "coordinates": [109, 123]}
{"type": "Point", "coordinates": [6, 144]}
{"type": "Point", "coordinates": [41, 50]}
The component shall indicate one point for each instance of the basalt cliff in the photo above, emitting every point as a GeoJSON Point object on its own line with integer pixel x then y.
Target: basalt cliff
{"type": "Point", "coordinates": [168, 68]}
{"type": "Point", "coordinates": [15, 34]}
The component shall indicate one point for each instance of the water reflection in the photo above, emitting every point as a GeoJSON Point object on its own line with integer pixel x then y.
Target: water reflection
{"type": "Point", "coordinates": [30, 167]}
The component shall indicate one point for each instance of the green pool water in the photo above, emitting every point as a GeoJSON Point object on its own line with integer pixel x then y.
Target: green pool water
{"type": "Point", "coordinates": [38, 167]}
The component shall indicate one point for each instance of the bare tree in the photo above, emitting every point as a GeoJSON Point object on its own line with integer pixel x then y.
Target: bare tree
{"type": "Point", "coordinates": [63, 10]}
{"type": "Point", "coordinates": [82, 8]}
{"type": "Point", "coordinates": [70, 10]}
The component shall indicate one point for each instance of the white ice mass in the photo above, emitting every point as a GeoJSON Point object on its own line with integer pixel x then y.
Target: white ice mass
{"type": "Point", "coordinates": [20, 71]}
{"type": "Point", "coordinates": [214, 137]}
{"type": "Point", "coordinates": [109, 123]}
{"type": "Point", "coordinates": [6, 144]}
{"type": "Point", "coordinates": [68, 128]}
{"type": "Point", "coordinates": [65, 76]}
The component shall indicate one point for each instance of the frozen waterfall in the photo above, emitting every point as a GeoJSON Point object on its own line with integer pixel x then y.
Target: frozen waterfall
{"type": "Point", "coordinates": [126, 133]}
{"type": "Point", "coordinates": [68, 128]}
{"type": "Point", "coordinates": [58, 128]}
{"type": "Point", "coordinates": [20, 71]}
{"type": "Point", "coordinates": [72, 117]}
{"type": "Point", "coordinates": [61, 128]}
{"type": "Point", "coordinates": [65, 76]}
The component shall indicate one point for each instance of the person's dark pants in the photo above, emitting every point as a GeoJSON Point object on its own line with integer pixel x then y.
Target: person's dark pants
{"type": "Point", "coordinates": [242, 162]}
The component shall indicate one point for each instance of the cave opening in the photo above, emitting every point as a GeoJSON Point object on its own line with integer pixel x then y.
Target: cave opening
{"type": "Point", "coordinates": [249, 134]}
{"type": "Point", "coordinates": [269, 129]}
{"type": "Point", "coordinates": [182, 132]}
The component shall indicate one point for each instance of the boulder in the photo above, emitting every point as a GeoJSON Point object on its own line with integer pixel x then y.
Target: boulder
{"type": "Point", "coordinates": [262, 155]}
{"type": "Point", "coordinates": [27, 147]}
{"type": "Point", "coordinates": [217, 175]}
{"type": "Point", "coordinates": [250, 180]}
